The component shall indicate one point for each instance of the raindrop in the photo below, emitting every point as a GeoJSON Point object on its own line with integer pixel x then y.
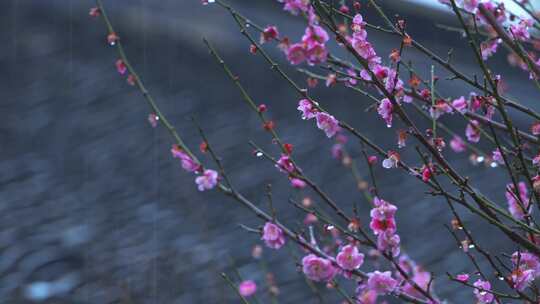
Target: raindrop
{"type": "Point", "coordinates": [480, 159]}
{"type": "Point", "coordinates": [471, 246]}
{"type": "Point", "coordinates": [259, 154]}
{"type": "Point", "coordinates": [500, 278]}
{"type": "Point", "coordinates": [112, 43]}
{"type": "Point", "coordinates": [493, 165]}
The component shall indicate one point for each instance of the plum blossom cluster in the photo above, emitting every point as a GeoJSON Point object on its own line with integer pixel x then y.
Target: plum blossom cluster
{"type": "Point", "coordinates": [343, 253]}
{"type": "Point", "coordinates": [326, 122]}
{"type": "Point", "coordinates": [383, 225]}
{"type": "Point", "coordinates": [207, 179]}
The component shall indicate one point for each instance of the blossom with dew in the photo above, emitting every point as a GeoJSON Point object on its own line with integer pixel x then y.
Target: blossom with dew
{"type": "Point", "coordinates": [318, 269]}
{"type": "Point", "coordinates": [526, 260]}
{"type": "Point", "coordinates": [153, 119]}
{"type": "Point", "coordinates": [112, 38]}
{"type": "Point", "coordinates": [482, 291]}
{"type": "Point", "coordinates": [520, 31]}
{"type": "Point", "coordinates": [327, 123]}
{"type": "Point", "coordinates": [273, 236]}
{"type": "Point", "coordinates": [247, 288]}
{"type": "Point", "coordinates": [392, 160]}
{"type": "Point", "coordinates": [308, 110]}
{"type": "Point", "coordinates": [385, 111]}
{"type": "Point", "coordinates": [402, 138]}
{"type": "Point", "coordinates": [489, 47]}
{"type": "Point", "coordinates": [207, 181]}
{"type": "Point", "coordinates": [285, 164]}
{"type": "Point", "coordinates": [349, 258]}
{"type": "Point", "coordinates": [522, 278]}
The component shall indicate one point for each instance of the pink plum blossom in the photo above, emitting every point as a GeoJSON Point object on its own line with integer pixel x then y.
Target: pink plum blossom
{"type": "Point", "coordinates": [285, 164]}
{"type": "Point", "coordinates": [440, 108]}
{"type": "Point", "coordinates": [121, 66]}
{"type": "Point", "coordinates": [381, 282]}
{"type": "Point", "coordinates": [463, 277]}
{"type": "Point", "coordinates": [482, 291]}
{"type": "Point", "coordinates": [473, 131]}
{"type": "Point", "coordinates": [522, 278]}
{"type": "Point", "coordinates": [385, 111]}
{"type": "Point", "coordinates": [298, 183]}
{"type": "Point", "coordinates": [457, 144]}
{"type": "Point", "coordinates": [188, 163]}
{"type": "Point", "coordinates": [318, 269]}
{"type": "Point", "coordinates": [520, 31]}
{"type": "Point", "coordinates": [307, 109]}
{"type": "Point", "coordinates": [273, 236]}
{"type": "Point", "coordinates": [269, 33]}
{"type": "Point", "coordinates": [497, 156]}
{"type": "Point", "coordinates": [460, 104]}
{"type": "Point", "coordinates": [296, 53]}
{"type": "Point", "coordinates": [526, 260]}
{"type": "Point", "coordinates": [327, 123]}
{"type": "Point", "coordinates": [388, 241]}
{"type": "Point", "coordinates": [207, 181]}
{"type": "Point", "coordinates": [349, 258]}
{"type": "Point", "coordinates": [488, 48]}
{"type": "Point", "coordinates": [247, 288]}
{"type": "Point", "coordinates": [382, 216]}
{"type": "Point", "coordinates": [295, 6]}
{"type": "Point", "coordinates": [366, 296]}
{"type": "Point", "coordinates": [153, 119]}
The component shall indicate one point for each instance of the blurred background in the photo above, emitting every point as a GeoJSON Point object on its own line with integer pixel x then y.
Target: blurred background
{"type": "Point", "coordinates": [95, 210]}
